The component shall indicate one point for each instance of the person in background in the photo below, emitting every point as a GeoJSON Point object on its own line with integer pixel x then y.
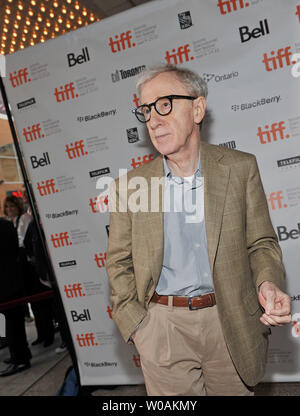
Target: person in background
{"type": "Point", "coordinates": [12, 287]}
{"type": "Point", "coordinates": [14, 211]}
{"type": "Point", "coordinates": [13, 208]}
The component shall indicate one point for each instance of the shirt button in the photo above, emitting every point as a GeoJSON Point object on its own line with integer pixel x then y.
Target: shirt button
{"type": "Point", "coordinates": [197, 245]}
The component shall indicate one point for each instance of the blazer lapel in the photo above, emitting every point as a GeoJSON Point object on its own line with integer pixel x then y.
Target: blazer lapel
{"type": "Point", "coordinates": [216, 177]}
{"type": "Point", "coordinates": [154, 219]}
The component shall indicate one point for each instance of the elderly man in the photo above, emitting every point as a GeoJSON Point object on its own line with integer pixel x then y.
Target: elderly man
{"type": "Point", "coordinates": [196, 291]}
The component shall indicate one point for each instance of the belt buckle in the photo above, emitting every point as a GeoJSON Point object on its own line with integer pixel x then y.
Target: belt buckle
{"type": "Point", "coordinates": [190, 305]}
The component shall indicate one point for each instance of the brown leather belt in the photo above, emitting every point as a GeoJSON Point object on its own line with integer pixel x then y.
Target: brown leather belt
{"type": "Point", "coordinates": [193, 303]}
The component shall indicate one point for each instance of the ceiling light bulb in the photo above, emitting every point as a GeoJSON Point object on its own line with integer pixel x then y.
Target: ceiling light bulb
{"type": "Point", "coordinates": [20, 6]}
{"type": "Point", "coordinates": [60, 20]}
{"type": "Point", "coordinates": [55, 4]}
{"type": "Point", "coordinates": [33, 2]}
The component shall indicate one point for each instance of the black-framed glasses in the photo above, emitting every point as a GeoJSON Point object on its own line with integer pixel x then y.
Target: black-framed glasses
{"type": "Point", "coordinates": [163, 106]}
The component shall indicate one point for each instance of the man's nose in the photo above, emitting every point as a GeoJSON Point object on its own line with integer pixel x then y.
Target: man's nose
{"type": "Point", "coordinates": [155, 119]}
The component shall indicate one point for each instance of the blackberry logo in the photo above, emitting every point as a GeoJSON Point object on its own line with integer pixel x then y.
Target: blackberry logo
{"type": "Point", "coordinates": [132, 135]}
{"type": "Point", "coordinates": [185, 20]}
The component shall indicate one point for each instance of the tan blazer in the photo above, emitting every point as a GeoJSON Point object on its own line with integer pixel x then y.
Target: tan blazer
{"type": "Point", "coordinates": [242, 246]}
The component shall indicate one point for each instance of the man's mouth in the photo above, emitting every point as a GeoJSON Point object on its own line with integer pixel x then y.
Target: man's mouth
{"type": "Point", "coordinates": [161, 136]}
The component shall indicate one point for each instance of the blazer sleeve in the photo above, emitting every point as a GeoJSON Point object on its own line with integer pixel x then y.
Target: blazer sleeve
{"type": "Point", "coordinates": [127, 311]}
{"type": "Point", "coordinates": [264, 252]}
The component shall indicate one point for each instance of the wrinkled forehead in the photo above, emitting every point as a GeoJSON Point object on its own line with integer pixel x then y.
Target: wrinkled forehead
{"type": "Point", "coordinates": [162, 84]}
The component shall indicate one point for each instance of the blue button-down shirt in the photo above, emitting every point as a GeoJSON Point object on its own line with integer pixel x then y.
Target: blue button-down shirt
{"type": "Point", "coordinates": [185, 270]}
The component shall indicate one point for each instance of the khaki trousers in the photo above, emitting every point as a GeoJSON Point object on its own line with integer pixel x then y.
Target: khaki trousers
{"type": "Point", "coordinates": [183, 353]}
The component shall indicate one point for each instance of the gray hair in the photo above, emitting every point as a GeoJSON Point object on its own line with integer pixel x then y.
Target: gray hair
{"type": "Point", "coordinates": [195, 85]}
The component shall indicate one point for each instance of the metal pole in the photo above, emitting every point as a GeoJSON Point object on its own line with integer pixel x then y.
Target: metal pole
{"type": "Point", "coordinates": [65, 327]}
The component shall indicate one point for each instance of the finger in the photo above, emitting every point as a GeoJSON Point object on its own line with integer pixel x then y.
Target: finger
{"type": "Point", "coordinates": [270, 301]}
{"type": "Point", "coordinates": [281, 319]}
{"type": "Point", "coordinates": [269, 319]}
{"type": "Point", "coordinates": [262, 320]}
{"type": "Point", "coordinates": [282, 307]}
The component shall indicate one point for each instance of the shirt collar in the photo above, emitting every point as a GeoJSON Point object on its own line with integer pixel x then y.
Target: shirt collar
{"type": "Point", "coordinates": [170, 175]}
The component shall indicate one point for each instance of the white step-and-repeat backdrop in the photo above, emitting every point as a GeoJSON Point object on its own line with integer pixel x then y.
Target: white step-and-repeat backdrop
{"type": "Point", "coordinates": [71, 99]}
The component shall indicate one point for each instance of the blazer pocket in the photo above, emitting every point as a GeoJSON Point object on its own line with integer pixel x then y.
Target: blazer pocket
{"type": "Point", "coordinates": [251, 302]}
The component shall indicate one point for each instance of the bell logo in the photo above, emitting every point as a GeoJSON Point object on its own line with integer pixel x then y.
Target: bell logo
{"type": "Point", "coordinates": [66, 92]}
{"type": "Point", "coordinates": [99, 204]}
{"type": "Point", "coordinates": [109, 311]}
{"type": "Point", "coordinates": [73, 290]}
{"type": "Point", "coordinates": [33, 132]}
{"type": "Point", "coordinates": [278, 61]}
{"type": "Point", "coordinates": [275, 200]}
{"type": "Point", "coordinates": [146, 159]}
{"type": "Point", "coordinates": [80, 59]}
{"type": "Point", "coordinates": [19, 77]}
{"type": "Point", "coordinates": [75, 149]}
{"type": "Point", "coordinates": [100, 259]}
{"type": "Point", "coordinates": [296, 325]}
{"type": "Point", "coordinates": [86, 340]}
{"type": "Point", "coordinates": [60, 240]}
{"type": "Point", "coordinates": [262, 30]}
{"type": "Point", "coordinates": [43, 161]}
{"type": "Point", "coordinates": [179, 56]}
{"type": "Point", "coordinates": [272, 134]}
{"type": "Point", "coordinates": [121, 43]}
{"type": "Point", "coordinates": [46, 187]}
{"type": "Point", "coordinates": [284, 234]}
{"type": "Point", "coordinates": [298, 11]}
{"type": "Point", "coordinates": [229, 6]}
{"type": "Point", "coordinates": [137, 361]}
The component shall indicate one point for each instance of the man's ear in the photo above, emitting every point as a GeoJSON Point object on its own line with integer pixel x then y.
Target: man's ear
{"type": "Point", "coordinates": [199, 106]}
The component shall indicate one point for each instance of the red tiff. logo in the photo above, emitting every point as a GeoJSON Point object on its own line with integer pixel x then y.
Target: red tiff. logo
{"type": "Point", "coordinates": [65, 92]}
{"type": "Point", "coordinates": [136, 100]}
{"type": "Point", "coordinates": [33, 132]}
{"type": "Point", "coordinates": [278, 59]}
{"type": "Point", "coordinates": [136, 359]}
{"type": "Point", "coordinates": [19, 77]}
{"type": "Point", "coordinates": [100, 259]}
{"type": "Point", "coordinates": [75, 149]}
{"type": "Point", "coordinates": [46, 187]}
{"type": "Point", "coordinates": [109, 311]}
{"type": "Point", "coordinates": [121, 42]}
{"type": "Point", "coordinates": [179, 55]}
{"type": "Point", "coordinates": [298, 11]}
{"type": "Point", "coordinates": [275, 200]}
{"type": "Point", "coordinates": [73, 290]}
{"type": "Point", "coordinates": [61, 240]}
{"type": "Point", "coordinates": [99, 204]}
{"type": "Point", "coordinates": [273, 133]}
{"type": "Point", "coordinates": [140, 162]}
{"type": "Point", "coordinates": [228, 6]}
{"type": "Point", "coordinates": [86, 340]}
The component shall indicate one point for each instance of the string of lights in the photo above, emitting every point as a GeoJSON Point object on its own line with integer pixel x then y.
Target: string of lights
{"type": "Point", "coordinates": [26, 23]}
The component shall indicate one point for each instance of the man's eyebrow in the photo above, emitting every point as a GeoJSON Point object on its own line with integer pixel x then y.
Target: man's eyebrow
{"type": "Point", "coordinates": [156, 98]}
